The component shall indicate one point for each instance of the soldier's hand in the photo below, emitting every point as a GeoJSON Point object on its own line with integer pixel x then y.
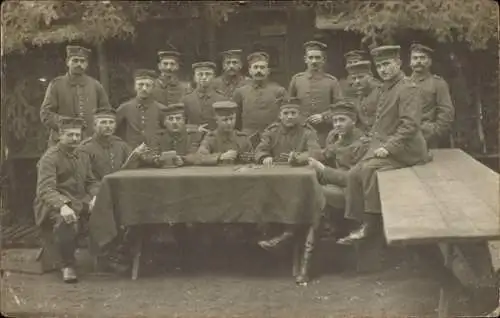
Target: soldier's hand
{"type": "Point", "coordinates": [381, 152]}
{"type": "Point", "coordinates": [315, 119]}
{"type": "Point", "coordinates": [246, 156]}
{"type": "Point", "coordinates": [92, 203]}
{"type": "Point", "coordinates": [203, 128]}
{"type": "Point", "coordinates": [68, 215]}
{"type": "Point", "coordinates": [284, 157]}
{"type": "Point", "coordinates": [229, 155]}
{"type": "Point", "coordinates": [178, 161]}
{"type": "Point", "coordinates": [141, 148]}
{"type": "Point", "coordinates": [268, 161]}
{"type": "Point", "coordinates": [292, 156]}
{"type": "Point", "coordinates": [315, 164]}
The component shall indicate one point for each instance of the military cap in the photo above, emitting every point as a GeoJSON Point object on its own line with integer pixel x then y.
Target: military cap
{"type": "Point", "coordinates": [143, 73]}
{"type": "Point", "coordinates": [315, 45]}
{"type": "Point", "coordinates": [232, 53]}
{"type": "Point", "coordinates": [417, 47]}
{"type": "Point", "coordinates": [353, 56]}
{"type": "Point", "coordinates": [70, 122]}
{"type": "Point", "coordinates": [257, 56]}
{"type": "Point", "coordinates": [385, 52]}
{"type": "Point", "coordinates": [344, 107]}
{"type": "Point", "coordinates": [73, 50]}
{"type": "Point", "coordinates": [291, 102]}
{"type": "Point", "coordinates": [174, 109]}
{"type": "Point", "coordinates": [168, 54]}
{"type": "Point", "coordinates": [225, 107]}
{"type": "Point", "coordinates": [204, 64]}
{"type": "Point", "coordinates": [104, 112]}
{"type": "Point", "coordinates": [359, 67]}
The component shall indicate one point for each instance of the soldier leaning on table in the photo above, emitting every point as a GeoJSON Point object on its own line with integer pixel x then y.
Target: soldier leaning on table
{"type": "Point", "coordinates": [225, 145]}
{"type": "Point", "coordinates": [65, 193]}
{"type": "Point", "coordinates": [73, 95]}
{"type": "Point", "coordinates": [437, 111]}
{"type": "Point", "coordinates": [288, 141]}
{"type": "Point", "coordinates": [396, 141]}
{"type": "Point", "coordinates": [315, 89]}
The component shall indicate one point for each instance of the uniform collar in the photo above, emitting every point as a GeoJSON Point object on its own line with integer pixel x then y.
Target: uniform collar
{"type": "Point", "coordinates": [229, 79]}
{"type": "Point", "coordinates": [311, 74]}
{"type": "Point", "coordinates": [355, 134]}
{"type": "Point", "coordinates": [225, 135]}
{"type": "Point", "coordinates": [286, 130]}
{"type": "Point", "coordinates": [143, 102]}
{"type": "Point", "coordinates": [78, 80]}
{"type": "Point", "coordinates": [389, 84]}
{"type": "Point", "coordinates": [259, 84]}
{"type": "Point", "coordinates": [67, 151]}
{"type": "Point", "coordinates": [104, 141]}
{"type": "Point", "coordinates": [168, 80]}
{"type": "Point", "coordinates": [202, 92]}
{"type": "Point", "coordinates": [418, 77]}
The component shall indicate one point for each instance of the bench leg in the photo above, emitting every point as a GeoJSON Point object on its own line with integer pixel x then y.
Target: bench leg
{"type": "Point", "coordinates": [445, 293]}
{"type": "Point", "coordinates": [137, 253]}
{"type": "Point", "coordinates": [297, 249]}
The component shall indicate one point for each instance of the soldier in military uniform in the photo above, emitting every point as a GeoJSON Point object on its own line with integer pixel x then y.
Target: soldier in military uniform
{"type": "Point", "coordinates": [288, 141]}
{"type": "Point", "coordinates": [169, 88]}
{"type": "Point", "coordinates": [437, 111]}
{"type": "Point", "coordinates": [178, 137]}
{"type": "Point", "coordinates": [315, 89]}
{"type": "Point", "coordinates": [345, 83]}
{"type": "Point", "coordinates": [260, 99]}
{"type": "Point", "coordinates": [231, 77]}
{"type": "Point", "coordinates": [139, 120]}
{"type": "Point", "coordinates": [363, 82]}
{"type": "Point", "coordinates": [73, 95]}
{"type": "Point", "coordinates": [198, 104]}
{"type": "Point", "coordinates": [65, 193]}
{"type": "Point", "coordinates": [395, 142]}
{"type": "Point", "coordinates": [225, 145]}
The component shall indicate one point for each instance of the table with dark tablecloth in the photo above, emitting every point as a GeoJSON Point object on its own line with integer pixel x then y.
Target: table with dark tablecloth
{"type": "Point", "coordinates": [223, 194]}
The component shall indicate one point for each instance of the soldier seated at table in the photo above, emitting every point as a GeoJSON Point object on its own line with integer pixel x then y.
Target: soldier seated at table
{"type": "Point", "coordinates": [65, 194]}
{"type": "Point", "coordinates": [345, 145]}
{"type": "Point", "coordinates": [179, 140]}
{"type": "Point", "coordinates": [225, 145]}
{"type": "Point", "coordinates": [291, 142]}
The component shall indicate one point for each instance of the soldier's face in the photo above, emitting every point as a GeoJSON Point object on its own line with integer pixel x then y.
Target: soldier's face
{"type": "Point", "coordinates": [289, 117]}
{"type": "Point", "coordinates": [342, 123]}
{"type": "Point", "coordinates": [359, 81]}
{"type": "Point", "coordinates": [225, 122]}
{"type": "Point", "coordinates": [315, 59]}
{"type": "Point", "coordinates": [389, 68]}
{"type": "Point", "coordinates": [203, 76]}
{"type": "Point", "coordinates": [105, 126]}
{"type": "Point", "coordinates": [259, 70]}
{"type": "Point", "coordinates": [174, 122]}
{"type": "Point", "coordinates": [168, 65]}
{"type": "Point", "coordinates": [77, 64]}
{"type": "Point", "coordinates": [232, 65]}
{"type": "Point", "coordinates": [420, 61]}
{"type": "Point", "coordinates": [70, 137]}
{"type": "Point", "coordinates": [144, 87]}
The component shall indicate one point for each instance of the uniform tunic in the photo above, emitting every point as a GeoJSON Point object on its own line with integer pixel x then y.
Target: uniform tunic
{"type": "Point", "coordinates": [72, 96]}
{"type": "Point", "coordinates": [259, 105]}
{"type": "Point", "coordinates": [198, 107]}
{"type": "Point", "coordinates": [397, 129]}
{"type": "Point", "coordinates": [278, 139]}
{"type": "Point", "coordinates": [437, 111]}
{"type": "Point", "coordinates": [366, 104]}
{"type": "Point", "coordinates": [316, 92]}
{"type": "Point", "coordinates": [106, 154]}
{"type": "Point", "coordinates": [185, 143]}
{"type": "Point", "coordinates": [170, 90]}
{"type": "Point", "coordinates": [64, 177]}
{"type": "Point", "coordinates": [139, 121]}
{"type": "Point", "coordinates": [217, 142]}
{"type": "Point", "coordinates": [227, 84]}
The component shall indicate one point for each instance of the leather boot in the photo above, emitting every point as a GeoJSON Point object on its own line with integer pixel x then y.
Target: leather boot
{"type": "Point", "coordinates": [370, 227]}
{"type": "Point", "coordinates": [276, 241]}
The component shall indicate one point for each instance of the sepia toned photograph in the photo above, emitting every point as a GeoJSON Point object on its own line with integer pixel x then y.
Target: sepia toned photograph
{"type": "Point", "coordinates": [250, 159]}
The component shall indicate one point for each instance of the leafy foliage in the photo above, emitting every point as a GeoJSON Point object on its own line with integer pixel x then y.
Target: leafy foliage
{"type": "Point", "coordinates": [474, 22]}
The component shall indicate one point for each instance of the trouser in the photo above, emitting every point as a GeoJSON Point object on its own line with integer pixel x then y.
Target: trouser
{"type": "Point", "coordinates": [362, 193]}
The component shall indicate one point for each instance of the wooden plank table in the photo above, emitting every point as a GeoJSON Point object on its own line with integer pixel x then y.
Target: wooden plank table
{"type": "Point", "coordinates": [450, 201]}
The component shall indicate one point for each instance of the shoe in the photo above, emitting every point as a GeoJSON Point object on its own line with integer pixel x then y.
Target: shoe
{"type": "Point", "coordinates": [355, 236]}
{"type": "Point", "coordinates": [69, 275]}
{"type": "Point", "coordinates": [276, 241]}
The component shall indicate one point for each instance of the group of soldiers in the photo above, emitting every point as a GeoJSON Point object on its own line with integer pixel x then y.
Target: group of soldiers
{"type": "Point", "coordinates": [345, 133]}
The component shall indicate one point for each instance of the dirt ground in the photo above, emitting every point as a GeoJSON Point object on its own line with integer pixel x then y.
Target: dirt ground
{"type": "Point", "coordinates": [235, 281]}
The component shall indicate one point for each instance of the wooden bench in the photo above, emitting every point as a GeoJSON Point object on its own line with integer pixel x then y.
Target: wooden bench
{"type": "Point", "coordinates": [452, 201]}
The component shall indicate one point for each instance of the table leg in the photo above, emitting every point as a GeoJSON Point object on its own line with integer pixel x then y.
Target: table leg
{"type": "Point", "coordinates": [445, 293]}
{"type": "Point", "coordinates": [137, 252]}
{"type": "Point", "coordinates": [297, 249]}
{"type": "Point", "coordinates": [303, 277]}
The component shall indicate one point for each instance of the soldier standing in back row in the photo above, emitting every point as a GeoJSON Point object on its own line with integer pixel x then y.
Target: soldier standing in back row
{"type": "Point", "coordinates": [168, 88]}
{"type": "Point", "coordinates": [231, 77]}
{"type": "Point", "coordinates": [437, 111]}
{"type": "Point", "coordinates": [315, 89]}
{"type": "Point", "coordinates": [73, 95]}
{"type": "Point", "coordinates": [198, 103]}
{"type": "Point", "coordinates": [346, 83]}
{"type": "Point", "coordinates": [260, 99]}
